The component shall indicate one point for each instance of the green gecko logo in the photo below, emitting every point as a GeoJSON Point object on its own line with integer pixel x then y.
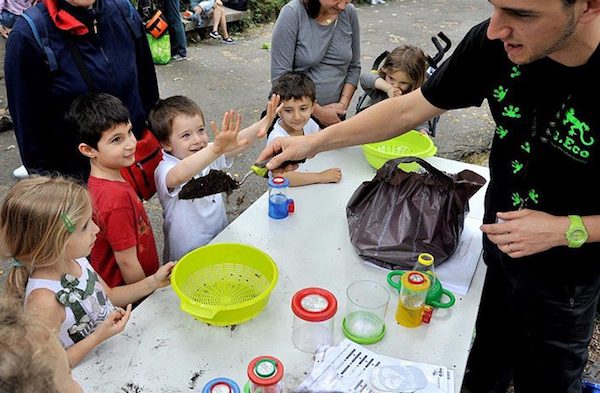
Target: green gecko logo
{"type": "Point", "coordinates": [516, 166]}
{"type": "Point", "coordinates": [500, 93]}
{"type": "Point", "coordinates": [576, 141]}
{"type": "Point", "coordinates": [501, 131]}
{"type": "Point", "coordinates": [511, 111]}
{"type": "Point", "coordinates": [515, 72]}
{"type": "Point", "coordinates": [577, 126]}
{"type": "Point", "coordinates": [526, 147]}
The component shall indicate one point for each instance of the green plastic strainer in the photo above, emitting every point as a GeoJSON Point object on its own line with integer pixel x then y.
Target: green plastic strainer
{"type": "Point", "coordinates": [224, 283]}
{"type": "Point", "coordinates": [413, 143]}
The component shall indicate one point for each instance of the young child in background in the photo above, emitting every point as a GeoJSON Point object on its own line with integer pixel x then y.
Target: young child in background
{"type": "Point", "coordinates": [297, 92]}
{"type": "Point", "coordinates": [47, 229]}
{"type": "Point", "coordinates": [179, 126]}
{"type": "Point", "coordinates": [402, 71]}
{"type": "Point", "coordinates": [125, 251]}
{"type": "Point", "coordinates": [211, 9]}
{"type": "Point", "coordinates": [31, 357]}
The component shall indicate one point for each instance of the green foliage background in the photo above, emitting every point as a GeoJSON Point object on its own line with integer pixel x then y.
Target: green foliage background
{"type": "Point", "coordinates": [261, 11]}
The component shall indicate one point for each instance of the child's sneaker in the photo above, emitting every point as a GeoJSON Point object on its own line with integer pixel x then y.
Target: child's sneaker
{"type": "Point", "coordinates": [215, 35]}
{"type": "Point", "coordinates": [228, 41]}
{"type": "Point", "coordinates": [178, 57]}
{"type": "Point", "coordinates": [381, 1]}
{"type": "Point", "coordinates": [21, 172]}
{"type": "Point", "coordinates": [373, 2]}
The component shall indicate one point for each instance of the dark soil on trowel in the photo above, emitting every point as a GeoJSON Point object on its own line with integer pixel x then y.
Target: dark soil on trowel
{"type": "Point", "coordinates": [213, 183]}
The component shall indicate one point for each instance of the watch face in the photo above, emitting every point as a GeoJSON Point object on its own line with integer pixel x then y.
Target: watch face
{"type": "Point", "coordinates": [578, 235]}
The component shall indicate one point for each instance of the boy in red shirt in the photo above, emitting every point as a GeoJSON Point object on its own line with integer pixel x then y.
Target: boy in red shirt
{"type": "Point", "coordinates": [125, 251]}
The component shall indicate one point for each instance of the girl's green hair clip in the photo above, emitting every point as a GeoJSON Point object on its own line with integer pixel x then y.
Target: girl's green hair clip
{"type": "Point", "coordinates": [68, 223]}
{"type": "Point", "coordinates": [15, 263]}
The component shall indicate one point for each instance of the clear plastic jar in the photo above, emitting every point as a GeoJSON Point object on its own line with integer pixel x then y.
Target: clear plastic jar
{"type": "Point", "coordinates": [314, 309]}
{"type": "Point", "coordinates": [265, 375]}
{"type": "Point", "coordinates": [366, 306]}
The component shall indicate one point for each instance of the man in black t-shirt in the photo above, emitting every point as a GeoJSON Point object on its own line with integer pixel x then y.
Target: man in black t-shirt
{"type": "Point", "coordinates": [537, 62]}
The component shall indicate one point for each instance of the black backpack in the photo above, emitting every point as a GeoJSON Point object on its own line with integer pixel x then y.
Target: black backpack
{"type": "Point", "coordinates": [147, 8]}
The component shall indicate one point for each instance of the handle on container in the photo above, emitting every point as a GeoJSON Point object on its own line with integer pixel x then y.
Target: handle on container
{"type": "Point", "coordinates": [448, 304]}
{"type": "Point", "coordinates": [198, 312]}
{"type": "Point", "coordinates": [393, 283]}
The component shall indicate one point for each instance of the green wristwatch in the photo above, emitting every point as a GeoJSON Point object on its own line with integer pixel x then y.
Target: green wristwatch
{"type": "Point", "coordinates": [576, 234]}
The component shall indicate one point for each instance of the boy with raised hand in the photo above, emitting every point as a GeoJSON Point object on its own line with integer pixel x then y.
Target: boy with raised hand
{"type": "Point", "coordinates": [178, 124]}
{"type": "Point", "coordinates": [124, 251]}
{"type": "Point", "coordinates": [298, 96]}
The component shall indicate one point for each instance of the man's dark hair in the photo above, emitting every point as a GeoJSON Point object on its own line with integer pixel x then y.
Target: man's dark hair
{"type": "Point", "coordinates": [93, 114]}
{"type": "Point", "coordinates": [165, 111]}
{"type": "Point", "coordinates": [294, 85]}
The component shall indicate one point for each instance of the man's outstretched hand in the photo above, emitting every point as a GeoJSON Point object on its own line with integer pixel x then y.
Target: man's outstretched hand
{"type": "Point", "coordinates": [293, 148]}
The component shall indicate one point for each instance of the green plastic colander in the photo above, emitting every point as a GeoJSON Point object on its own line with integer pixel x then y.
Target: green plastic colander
{"type": "Point", "coordinates": [410, 144]}
{"type": "Point", "coordinates": [224, 283]}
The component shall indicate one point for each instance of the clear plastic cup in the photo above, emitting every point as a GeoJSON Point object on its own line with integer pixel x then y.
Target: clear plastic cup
{"type": "Point", "coordinates": [366, 306]}
{"type": "Point", "coordinates": [314, 309]}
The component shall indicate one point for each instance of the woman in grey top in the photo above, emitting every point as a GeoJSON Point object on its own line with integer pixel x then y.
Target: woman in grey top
{"type": "Point", "coordinates": [320, 38]}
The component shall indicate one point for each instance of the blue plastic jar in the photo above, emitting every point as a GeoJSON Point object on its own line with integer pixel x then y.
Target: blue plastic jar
{"type": "Point", "coordinates": [590, 387]}
{"type": "Point", "coordinates": [279, 203]}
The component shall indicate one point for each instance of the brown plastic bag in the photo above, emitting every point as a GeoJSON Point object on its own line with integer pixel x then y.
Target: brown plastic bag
{"type": "Point", "coordinates": [398, 215]}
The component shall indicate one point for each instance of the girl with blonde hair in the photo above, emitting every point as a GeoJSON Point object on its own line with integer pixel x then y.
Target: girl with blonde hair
{"type": "Point", "coordinates": [46, 229]}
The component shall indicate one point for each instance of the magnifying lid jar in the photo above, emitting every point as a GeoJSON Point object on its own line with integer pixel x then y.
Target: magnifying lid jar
{"type": "Point", "coordinates": [313, 309]}
{"type": "Point", "coordinates": [265, 374]}
{"type": "Point", "coordinates": [221, 385]}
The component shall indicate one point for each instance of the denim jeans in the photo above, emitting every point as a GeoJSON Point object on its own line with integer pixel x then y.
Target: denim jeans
{"type": "Point", "coordinates": [176, 29]}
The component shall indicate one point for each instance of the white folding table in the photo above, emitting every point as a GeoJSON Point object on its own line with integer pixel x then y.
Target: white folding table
{"type": "Point", "coordinates": [166, 350]}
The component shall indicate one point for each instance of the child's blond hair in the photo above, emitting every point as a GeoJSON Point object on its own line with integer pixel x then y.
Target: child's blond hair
{"type": "Point", "coordinates": [27, 366]}
{"type": "Point", "coordinates": [36, 218]}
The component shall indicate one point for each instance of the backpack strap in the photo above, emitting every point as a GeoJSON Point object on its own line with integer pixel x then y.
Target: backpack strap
{"type": "Point", "coordinates": [35, 18]}
{"type": "Point", "coordinates": [80, 63]}
{"type": "Point", "coordinates": [127, 11]}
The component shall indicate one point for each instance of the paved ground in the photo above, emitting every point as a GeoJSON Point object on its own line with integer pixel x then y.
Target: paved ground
{"type": "Point", "coordinates": [220, 77]}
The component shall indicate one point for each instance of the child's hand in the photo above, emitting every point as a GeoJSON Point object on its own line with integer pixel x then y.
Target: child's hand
{"type": "Point", "coordinates": [394, 92]}
{"type": "Point", "coordinates": [226, 139]}
{"type": "Point", "coordinates": [163, 274]}
{"type": "Point", "coordinates": [113, 324]}
{"type": "Point", "coordinates": [331, 175]}
{"type": "Point", "coordinates": [273, 108]}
